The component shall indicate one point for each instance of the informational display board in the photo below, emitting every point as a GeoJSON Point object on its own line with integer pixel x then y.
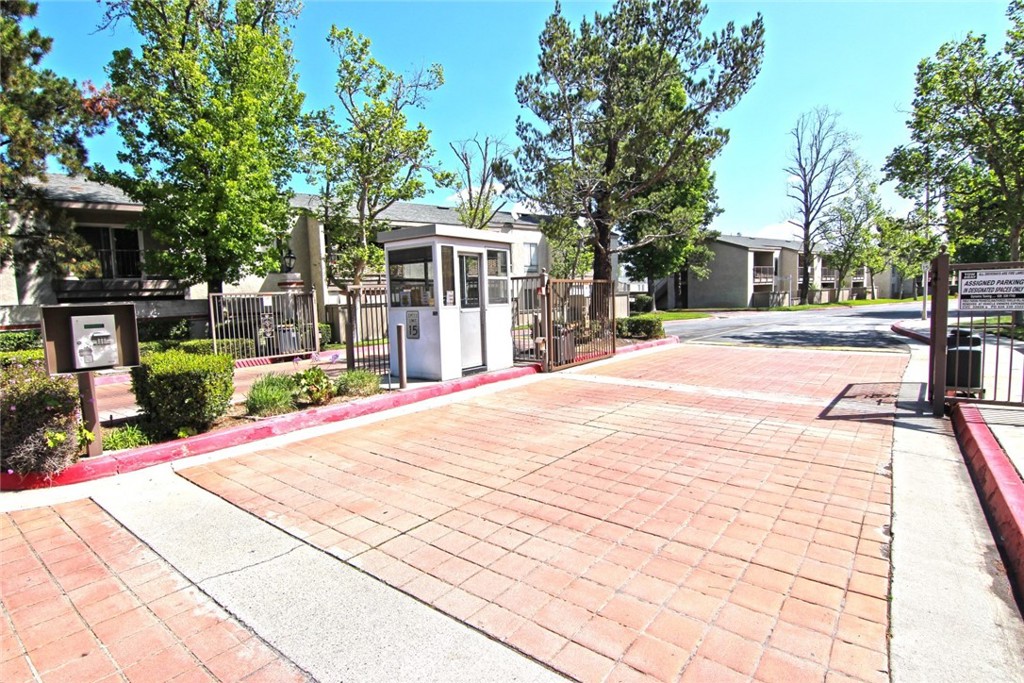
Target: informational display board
{"type": "Point", "coordinates": [94, 341]}
{"type": "Point", "coordinates": [992, 290]}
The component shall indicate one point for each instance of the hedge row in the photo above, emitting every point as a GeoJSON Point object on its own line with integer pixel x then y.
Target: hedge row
{"type": "Point", "coordinates": [40, 423]}
{"type": "Point", "coordinates": [183, 393]}
{"type": "Point", "coordinates": [640, 327]}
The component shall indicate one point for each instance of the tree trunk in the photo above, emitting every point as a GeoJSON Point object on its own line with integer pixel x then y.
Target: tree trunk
{"type": "Point", "coordinates": [652, 292]}
{"type": "Point", "coordinates": [215, 286]}
{"type": "Point", "coordinates": [602, 265]}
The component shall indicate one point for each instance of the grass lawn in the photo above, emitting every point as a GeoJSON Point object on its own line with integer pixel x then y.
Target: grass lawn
{"type": "Point", "coordinates": [666, 316]}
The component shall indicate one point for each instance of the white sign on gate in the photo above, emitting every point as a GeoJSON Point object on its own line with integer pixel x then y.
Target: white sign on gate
{"type": "Point", "coordinates": [992, 290]}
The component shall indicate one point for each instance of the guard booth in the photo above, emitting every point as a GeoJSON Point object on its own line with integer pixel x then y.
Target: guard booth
{"type": "Point", "coordinates": [449, 286]}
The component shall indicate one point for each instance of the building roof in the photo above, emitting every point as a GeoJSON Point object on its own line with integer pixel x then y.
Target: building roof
{"type": "Point", "coordinates": [65, 188]}
{"type": "Point", "coordinates": [760, 242]}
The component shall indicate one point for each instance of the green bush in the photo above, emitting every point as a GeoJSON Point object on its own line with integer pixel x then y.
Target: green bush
{"type": "Point", "coordinates": [163, 329]}
{"type": "Point", "coordinates": [40, 423]}
{"type": "Point", "coordinates": [358, 383]}
{"type": "Point", "coordinates": [315, 385]}
{"type": "Point", "coordinates": [22, 357]}
{"type": "Point", "coordinates": [20, 341]}
{"type": "Point", "coordinates": [326, 335]}
{"type": "Point", "coordinates": [157, 346]}
{"type": "Point", "coordinates": [642, 303]}
{"type": "Point", "coordinates": [127, 436]}
{"type": "Point", "coordinates": [236, 348]}
{"type": "Point", "coordinates": [640, 327]}
{"type": "Point", "coordinates": [182, 393]}
{"type": "Point", "coordinates": [271, 394]}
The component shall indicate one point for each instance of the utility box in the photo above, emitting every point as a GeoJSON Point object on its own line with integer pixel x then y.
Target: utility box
{"type": "Point", "coordinates": [87, 337]}
{"type": "Point", "coordinates": [450, 288]}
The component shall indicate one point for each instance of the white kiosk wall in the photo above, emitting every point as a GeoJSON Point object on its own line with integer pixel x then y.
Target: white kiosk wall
{"type": "Point", "coordinates": [456, 282]}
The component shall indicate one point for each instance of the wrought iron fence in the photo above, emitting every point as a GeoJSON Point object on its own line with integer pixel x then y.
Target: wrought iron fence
{"type": "Point", "coordinates": [976, 350]}
{"type": "Point", "coordinates": [264, 324]}
{"type": "Point", "coordinates": [527, 318]}
{"type": "Point", "coordinates": [366, 329]}
{"type": "Point", "coordinates": [581, 322]}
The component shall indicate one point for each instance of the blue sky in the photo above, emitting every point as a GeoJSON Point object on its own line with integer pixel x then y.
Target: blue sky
{"type": "Point", "coordinates": [857, 58]}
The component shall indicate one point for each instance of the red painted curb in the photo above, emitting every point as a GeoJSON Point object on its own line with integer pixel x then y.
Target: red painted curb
{"type": "Point", "coordinates": [147, 456]}
{"type": "Point", "coordinates": [998, 482]}
{"type": "Point", "coordinates": [917, 336]}
{"type": "Point", "coordinates": [665, 341]}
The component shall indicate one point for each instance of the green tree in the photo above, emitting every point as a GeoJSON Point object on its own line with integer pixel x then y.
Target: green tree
{"type": "Point", "coordinates": [383, 158]}
{"type": "Point", "coordinates": [670, 232]}
{"type": "Point", "coordinates": [42, 116]}
{"type": "Point", "coordinates": [623, 105]}
{"type": "Point", "coordinates": [847, 229]}
{"type": "Point", "coordinates": [208, 113]}
{"type": "Point", "coordinates": [906, 244]}
{"type": "Point", "coordinates": [967, 126]}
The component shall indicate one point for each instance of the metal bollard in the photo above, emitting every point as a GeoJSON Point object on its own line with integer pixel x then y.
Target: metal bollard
{"type": "Point", "coordinates": [402, 381]}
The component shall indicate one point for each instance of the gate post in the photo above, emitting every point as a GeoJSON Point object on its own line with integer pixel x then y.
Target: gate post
{"type": "Point", "coordinates": [545, 323]}
{"type": "Point", "coordinates": [350, 326]}
{"type": "Point", "coordinates": [939, 325]}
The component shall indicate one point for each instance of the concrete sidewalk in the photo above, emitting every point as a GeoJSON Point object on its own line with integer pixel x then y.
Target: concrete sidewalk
{"type": "Point", "coordinates": [690, 513]}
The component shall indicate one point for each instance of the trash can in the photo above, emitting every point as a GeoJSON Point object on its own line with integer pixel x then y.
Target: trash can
{"type": "Point", "coordinates": [963, 362]}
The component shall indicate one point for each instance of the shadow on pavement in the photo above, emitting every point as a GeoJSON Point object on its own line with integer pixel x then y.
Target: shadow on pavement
{"type": "Point", "coordinates": [886, 315]}
{"type": "Point", "coordinates": [860, 339]}
{"type": "Point", "coordinates": [868, 402]}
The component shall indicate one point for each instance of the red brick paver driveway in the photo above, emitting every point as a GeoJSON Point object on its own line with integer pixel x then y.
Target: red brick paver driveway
{"type": "Point", "coordinates": [702, 513]}
{"type": "Point", "coordinates": [84, 600]}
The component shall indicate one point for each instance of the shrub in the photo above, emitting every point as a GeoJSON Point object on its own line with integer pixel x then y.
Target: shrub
{"type": "Point", "coordinates": [157, 346]}
{"type": "Point", "coordinates": [641, 327]}
{"type": "Point", "coordinates": [271, 394]}
{"type": "Point", "coordinates": [236, 348]}
{"type": "Point", "coordinates": [180, 392]}
{"type": "Point", "coordinates": [642, 303]}
{"type": "Point", "coordinates": [40, 427]}
{"type": "Point", "coordinates": [621, 327]}
{"type": "Point", "coordinates": [358, 383]}
{"type": "Point", "coordinates": [20, 341]}
{"type": "Point", "coordinates": [127, 436]}
{"type": "Point", "coordinates": [20, 357]}
{"type": "Point", "coordinates": [163, 329]}
{"type": "Point", "coordinates": [315, 385]}
{"type": "Point", "coordinates": [326, 335]}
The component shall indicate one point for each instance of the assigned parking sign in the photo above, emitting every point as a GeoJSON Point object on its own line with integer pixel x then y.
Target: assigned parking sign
{"type": "Point", "coordinates": [992, 290]}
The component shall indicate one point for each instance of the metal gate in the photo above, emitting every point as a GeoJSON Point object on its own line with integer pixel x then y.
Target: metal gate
{"type": "Point", "coordinates": [562, 323]}
{"type": "Point", "coordinates": [976, 349]}
{"type": "Point", "coordinates": [366, 329]}
{"type": "Point", "coordinates": [264, 324]}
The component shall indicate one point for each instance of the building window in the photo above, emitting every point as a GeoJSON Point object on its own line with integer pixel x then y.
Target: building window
{"type": "Point", "coordinates": [115, 253]}
{"type": "Point", "coordinates": [448, 275]}
{"type": "Point", "coordinates": [497, 277]}
{"type": "Point", "coordinates": [411, 276]}
{"type": "Point", "coordinates": [531, 257]}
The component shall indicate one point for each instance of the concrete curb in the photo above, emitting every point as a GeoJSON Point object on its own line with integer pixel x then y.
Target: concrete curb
{"type": "Point", "coordinates": [913, 334]}
{"type": "Point", "coordinates": [147, 456]}
{"type": "Point", "coordinates": [997, 481]}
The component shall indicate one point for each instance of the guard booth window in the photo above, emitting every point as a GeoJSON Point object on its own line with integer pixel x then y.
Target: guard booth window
{"type": "Point", "coordinates": [411, 273]}
{"type": "Point", "coordinates": [497, 277]}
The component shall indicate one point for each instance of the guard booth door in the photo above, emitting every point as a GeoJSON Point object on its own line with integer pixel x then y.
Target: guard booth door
{"type": "Point", "coordinates": [471, 313]}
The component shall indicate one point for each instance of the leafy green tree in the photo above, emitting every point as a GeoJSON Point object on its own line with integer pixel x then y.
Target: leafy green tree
{"type": "Point", "coordinates": [623, 105]}
{"type": "Point", "coordinates": [906, 244]}
{"type": "Point", "coordinates": [671, 232]}
{"type": "Point", "coordinates": [477, 188]}
{"type": "Point", "coordinates": [847, 230]}
{"type": "Point", "coordinates": [822, 171]}
{"type": "Point", "coordinates": [967, 125]}
{"type": "Point", "coordinates": [383, 158]}
{"type": "Point", "coordinates": [569, 247]}
{"type": "Point", "coordinates": [42, 116]}
{"type": "Point", "coordinates": [208, 113]}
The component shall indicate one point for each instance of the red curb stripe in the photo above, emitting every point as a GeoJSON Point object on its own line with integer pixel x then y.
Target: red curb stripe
{"type": "Point", "coordinates": [999, 483]}
{"type": "Point", "coordinates": [147, 456]}
{"type": "Point", "coordinates": [917, 336]}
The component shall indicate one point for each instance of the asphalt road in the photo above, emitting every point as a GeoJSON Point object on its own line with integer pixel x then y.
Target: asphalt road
{"type": "Point", "coordinates": [861, 327]}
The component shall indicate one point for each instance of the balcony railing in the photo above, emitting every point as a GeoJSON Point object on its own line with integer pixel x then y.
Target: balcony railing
{"type": "Point", "coordinates": [829, 274]}
{"type": "Point", "coordinates": [764, 273]}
